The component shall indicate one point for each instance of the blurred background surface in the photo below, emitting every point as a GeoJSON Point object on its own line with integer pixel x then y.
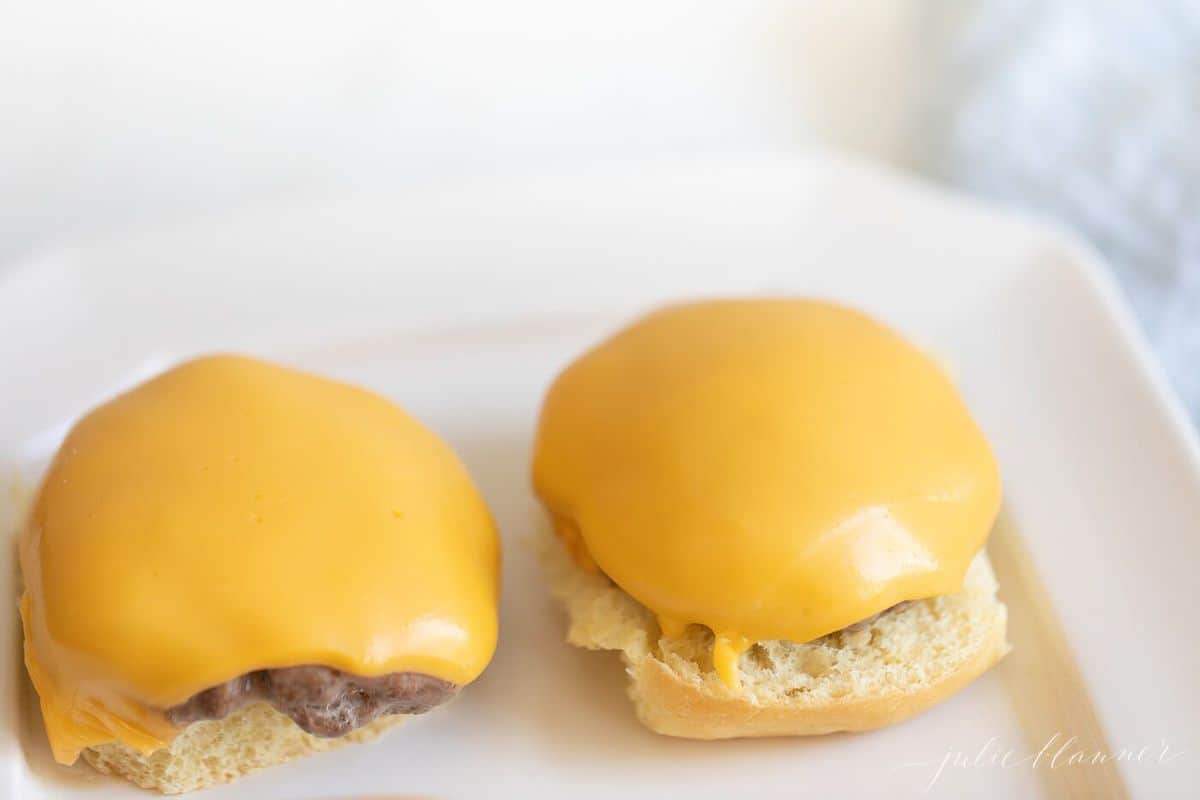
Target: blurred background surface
{"type": "Point", "coordinates": [124, 115]}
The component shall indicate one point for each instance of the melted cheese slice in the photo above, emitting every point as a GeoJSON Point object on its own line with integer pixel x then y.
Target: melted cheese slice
{"type": "Point", "coordinates": [772, 469]}
{"type": "Point", "coordinates": [232, 515]}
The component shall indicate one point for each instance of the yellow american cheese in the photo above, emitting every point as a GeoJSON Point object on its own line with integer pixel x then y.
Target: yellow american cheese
{"type": "Point", "coordinates": [232, 515]}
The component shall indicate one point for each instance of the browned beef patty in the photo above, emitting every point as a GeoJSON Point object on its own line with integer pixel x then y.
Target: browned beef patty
{"type": "Point", "coordinates": [321, 700]}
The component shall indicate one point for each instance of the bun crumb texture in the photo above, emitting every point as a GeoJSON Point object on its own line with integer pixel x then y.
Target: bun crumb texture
{"type": "Point", "coordinates": [874, 673]}
{"type": "Point", "coordinates": [218, 751]}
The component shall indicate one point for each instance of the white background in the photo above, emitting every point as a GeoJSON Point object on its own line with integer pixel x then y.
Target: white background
{"type": "Point", "coordinates": [123, 115]}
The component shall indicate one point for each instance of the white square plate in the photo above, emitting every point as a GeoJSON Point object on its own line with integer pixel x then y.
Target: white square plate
{"type": "Point", "coordinates": [462, 303]}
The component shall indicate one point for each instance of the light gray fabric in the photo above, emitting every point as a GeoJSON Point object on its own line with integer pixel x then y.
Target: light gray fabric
{"type": "Point", "coordinates": [1089, 111]}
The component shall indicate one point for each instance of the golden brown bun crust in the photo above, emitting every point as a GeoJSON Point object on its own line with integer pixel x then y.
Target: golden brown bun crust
{"type": "Point", "coordinates": [218, 751]}
{"type": "Point", "coordinates": [875, 673]}
{"type": "Point", "coordinates": [667, 705]}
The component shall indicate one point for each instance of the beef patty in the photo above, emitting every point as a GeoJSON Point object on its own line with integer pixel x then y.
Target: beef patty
{"type": "Point", "coordinates": [321, 700]}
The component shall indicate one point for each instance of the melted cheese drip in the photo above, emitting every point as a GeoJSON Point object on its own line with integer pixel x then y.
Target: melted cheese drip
{"type": "Point", "coordinates": [772, 469]}
{"type": "Point", "coordinates": [727, 649]}
{"type": "Point", "coordinates": [232, 515]}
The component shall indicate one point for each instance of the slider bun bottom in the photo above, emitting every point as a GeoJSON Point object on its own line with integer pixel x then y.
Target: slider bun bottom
{"type": "Point", "coordinates": [874, 673]}
{"type": "Point", "coordinates": [217, 751]}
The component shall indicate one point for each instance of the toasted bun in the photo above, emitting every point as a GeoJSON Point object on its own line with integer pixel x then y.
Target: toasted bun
{"type": "Point", "coordinates": [874, 673]}
{"type": "Point", "coordinates": [219, 751]}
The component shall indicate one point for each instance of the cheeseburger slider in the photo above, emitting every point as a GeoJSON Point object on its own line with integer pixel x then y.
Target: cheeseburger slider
{"type": "Point", "coordinates": [776, 511]}
{"type": "Point", "coordinates": [236, 564]}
